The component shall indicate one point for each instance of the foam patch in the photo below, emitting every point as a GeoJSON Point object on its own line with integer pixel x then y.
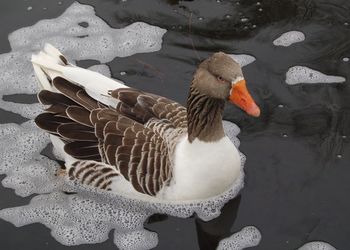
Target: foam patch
{"type": "Point", "coordinates": [89, 215]}
{"type": "Point", "coordinates": [94, 40]}
{"type": "Point", "coordinates": [248, 237]}
{"type": "Point", "coordinates": [97, 41]}
{"type": "Point", "coordinates": [317, 245]}
{"type": "Point", "coordinates": [301, 74]}
{"type": "Point", "coordinates": [102, 69]}
{"type": "Point", "coordinates": [243, 59]}
{"type": "Point", "coordinates": [289, 38]}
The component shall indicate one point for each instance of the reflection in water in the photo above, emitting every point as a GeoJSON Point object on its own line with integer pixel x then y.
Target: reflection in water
{"type": "Point", "coordinates": [210, 233]}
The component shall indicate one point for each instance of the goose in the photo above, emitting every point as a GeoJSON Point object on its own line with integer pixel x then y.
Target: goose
{"type": "Point", "coordinates": [127, 141]}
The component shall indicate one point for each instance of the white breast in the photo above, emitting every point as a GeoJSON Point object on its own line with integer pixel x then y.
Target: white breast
{"type": "Point", "coordinates": [203, 169]}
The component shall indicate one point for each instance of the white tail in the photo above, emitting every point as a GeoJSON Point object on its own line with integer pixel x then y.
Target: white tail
{"type": "Point", "coordinates": [50, 63]}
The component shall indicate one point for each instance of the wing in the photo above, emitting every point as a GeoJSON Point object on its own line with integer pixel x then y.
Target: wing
{"type": "Point", "coordinates": [92, 131]}
{"type": "Point", "coordinates": [142, 107]}
{"type": "Point", "coordinates": [140, 154]}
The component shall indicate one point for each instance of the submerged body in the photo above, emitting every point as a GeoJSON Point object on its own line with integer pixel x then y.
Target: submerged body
{"type": "Point", "coordinates": [128, 141]}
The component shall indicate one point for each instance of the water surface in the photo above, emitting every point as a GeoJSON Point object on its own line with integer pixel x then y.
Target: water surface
{"type": "Point", "coordinates": [298, 154]}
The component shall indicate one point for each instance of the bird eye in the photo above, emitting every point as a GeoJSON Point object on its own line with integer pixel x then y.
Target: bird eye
{"type": "Point", "coordinates": [220, 79]}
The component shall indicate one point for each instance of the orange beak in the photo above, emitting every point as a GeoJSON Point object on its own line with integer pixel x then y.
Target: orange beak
{"type": "Point", "coordinates": [241, 97]}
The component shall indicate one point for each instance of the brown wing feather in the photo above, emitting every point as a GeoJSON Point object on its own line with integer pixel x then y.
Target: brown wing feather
{"type": "Point", "coordinates": [50, 122]}
{"type": "Point", "coordinates": [75, 93]}
{"type": "Point", "coordinates": [142, 107]}
{"type": "Point", "coordinates": [133, 148]}
{"type": "Point", "coordinates": [79, 115]}
{"type": "Point", "coordinates": [93, 173]}
{"type": "Point", "coordinates": [76, 132]}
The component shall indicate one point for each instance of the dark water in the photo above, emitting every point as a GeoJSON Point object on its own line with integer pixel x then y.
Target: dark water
{"type": "Point", "coordinates": [298, 155]}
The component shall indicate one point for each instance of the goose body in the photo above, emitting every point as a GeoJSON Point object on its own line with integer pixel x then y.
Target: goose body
{"type": "Point", "coordinates": [128, 141]}
{"type": "Point", "coordinates": [193, 173]}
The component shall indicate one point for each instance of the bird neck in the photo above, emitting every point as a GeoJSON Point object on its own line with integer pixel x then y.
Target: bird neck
{"type": "Point", "coordinates": [204, 117]}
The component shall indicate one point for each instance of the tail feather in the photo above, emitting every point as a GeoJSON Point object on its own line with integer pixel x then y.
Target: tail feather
{"type": "Point", "coordinates": [67, 119]}
{"type": "Point", "coordinates": [55, 53]}
{"type": "Point", "coordinates": [44, 80]}
{"type": "Point", "coordinates": [72, 93]}
{"type": "Point", "coordinates": [50, 63]}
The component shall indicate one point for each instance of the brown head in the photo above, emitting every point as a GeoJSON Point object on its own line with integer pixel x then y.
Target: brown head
{"type": "Point", "coordinates": [221, 77]}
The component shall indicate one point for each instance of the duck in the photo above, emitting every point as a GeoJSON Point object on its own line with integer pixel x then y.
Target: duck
{"type": "Point", "coordinates": [142, 145]}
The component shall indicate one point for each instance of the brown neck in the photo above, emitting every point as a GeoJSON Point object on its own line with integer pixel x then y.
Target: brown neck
{"type": "Point", "coordinates": [204, 115]}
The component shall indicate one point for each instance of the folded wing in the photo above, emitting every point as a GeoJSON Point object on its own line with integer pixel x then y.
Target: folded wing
{"type": "Point", "coordinates": [130, 137]}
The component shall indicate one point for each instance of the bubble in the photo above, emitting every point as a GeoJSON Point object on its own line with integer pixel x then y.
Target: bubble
{"type": "Point", "coordinates": [339, 156]}
{"type": "Point", "coordinates": [346, 59]}
{"type": "Point", "coordinates": [301, 74]}
{"type": "Point", "coordinates": [280, 106]}
{"type": "Point", "coordinates": [317, 245]}
{"type": "Point", "coordinates": [344, 136]}
{"type": "Point", "coordinates": [244, 20]}
{"type": "Point", "coordinates": [258, 3]}
{"type": "Point", "coordinates": [228, 16]}
{"type": "Point", "coordinates": [346, 24]}
{"type": "Point", "coordinates": [243, 59]}
{"type": "Point", "coordinates": [248, 237]}
{"type": "Point", "coordinates": [200, 18]}
{"type": "Point", "coordinates": [260, 9]}
{"type": "Point", "coordinates": [285, 135]}
{"type": "Point", "coordinates": [59, 3]}
{"type": "Point", "coordinates": [122, 73]}
{"type": "Point", "coordinates": [254, 26]}
{"type": "Point", "coordinates": [289, 38]}
{"type": "Point", "coordinates": [29, 8]}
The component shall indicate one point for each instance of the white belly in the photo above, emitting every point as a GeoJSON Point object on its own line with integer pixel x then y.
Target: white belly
{"type": "Point", "coordinates": [203, 169]}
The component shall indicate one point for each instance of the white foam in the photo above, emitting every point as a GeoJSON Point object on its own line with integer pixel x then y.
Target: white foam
{"type": "Point", "coordinates": [98, 41]}
{"type": "Point", "coordinates": [248, 237]}
{"type": "Point", "coordinates": [317, 245]}
{"type": "Point", "coordinates": [88, 216]}
{"type": "Point", "coordinates": [243, 59]}
{"type": "Point", "coordinates": [289, 38]}
{"type": "Point", "coordinates": [27, 171]}
{"type": "Point", "coordinates": [102, 69]}
{"type": "Point", "coordinates": [301, 74]}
